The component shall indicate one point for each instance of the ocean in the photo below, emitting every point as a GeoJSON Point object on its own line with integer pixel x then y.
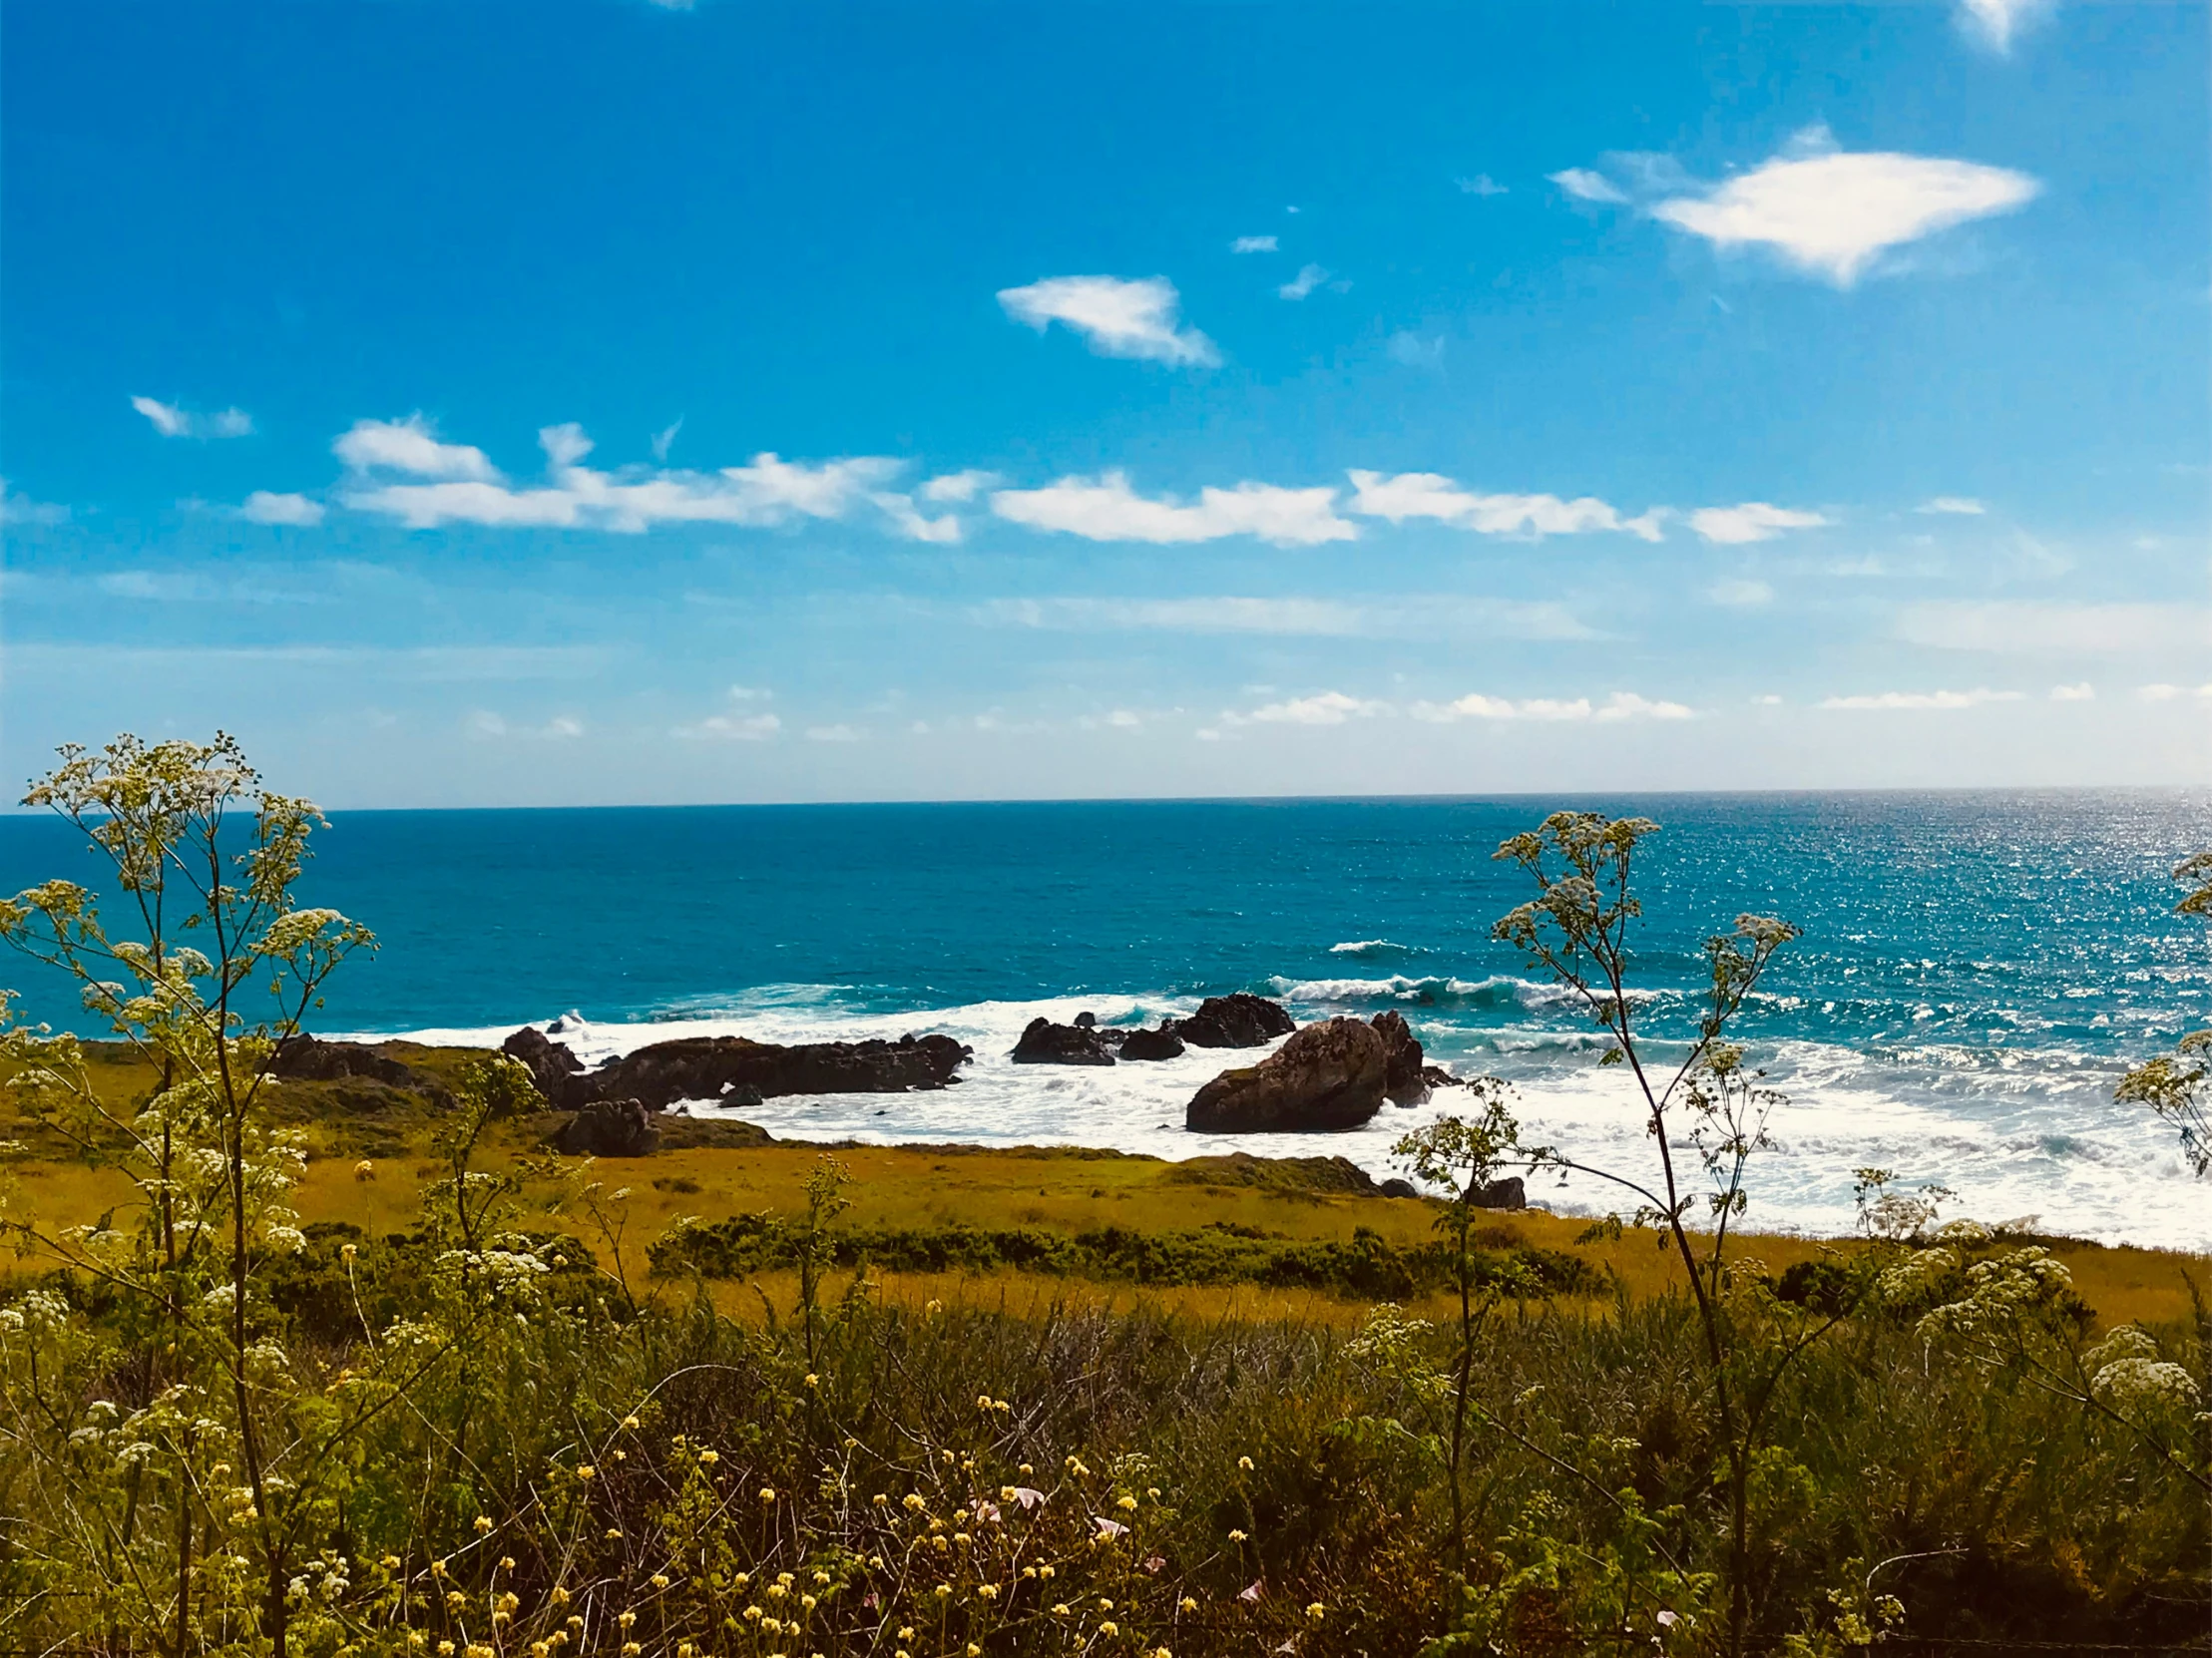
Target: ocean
{"type": "Point", "coordinates": [1977, 969]}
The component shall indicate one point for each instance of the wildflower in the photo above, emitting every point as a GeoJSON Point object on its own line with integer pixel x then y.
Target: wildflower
{"type": "Point", "coordinates": [821, 1577]}
{"type": "Point", "coordinates": [613, 1533]}
{"type": "Point", "coordinates": [1044, 1571]}
{"type": "Point", "coordinates": [619, 1455]}
{"type": "Point", "coordinates": [767, 1494]}
{"type": "Point", "coordinates": [1153, 1491]}
{"type": "Point", "coordinates": [483, 1525]}
{"type": "Point", "coordinates": [626, 1619]}
{"type": "Point", "coordinates": [944, 1592]}
{"type": "Point", "coordinates": [560, 1596]}
{"type": "Point", "coordinates": [988, 1591]}
{"type": "Point", "coordinates": [961, 1538]}
{"type": "Point", "coordinates": [1007, 1493]}
{"type": "Point", "coordinates": [809, 1602]}
{"type": "Point", "coordinates": [875, 1562]}
{"type": "Point", "coordinates": [1236, 1536]}
{"type": "Point", "coordinates": [506, 1562]}
{"type": "Point", "coordinates": [906, 1632]}
{"type": "Point", "coordinates": [776, 1592]}
{"type": "Point", "coordinates": [1244, 1465]}
{"type": "Point", "coordinates": [365, 1169]}
{"type": "Point", "coordinates": [933, 1307]}
{"type": "Point", "coordinates": [630, 1649]}
{"type": "Point", "coordinates": [813, 1380]}
{"type": "Point", "coordinates": [1106, 1605]}
{"type": "Point", "coordinates": [587, 1472]}
{"type": "Point", "coordinates": [1188, 1604]}
{"type": "Point", "coordinates": [541, 1649]}
{"type": "Point", "coordinates": [915, 1503]}
{"type": "Point", "coordinates": [1317, 1611]}
{"type": "Point", "coordinates": [983, 1402]}
{"type": "Point", "coordinates": [1125, 1503]}
{"type": "Point", "coordinates": [445, 1649]}
{"type": "Point", "coordinates": [1109, 1629]}
{"type": "Point", "coordinates": [1029, 1571]}
{"type": "Point", "coordinates": [632, 1422]}
{"type": "Point", "coordinates": [1060, 1609]}
{"type": "Point", "coordinates": [1025, 1471]}
{"type": "Point", "coordinates": [660, 1579]}
{"type": "Point", "coordinates": [708, 1458]}
{"type": "Point", "coordinates": [754, 1613]}
{"type": "Point", "coordinates": [437, 1568]}
{"type": "Point", "coordinates": [347, 1252]}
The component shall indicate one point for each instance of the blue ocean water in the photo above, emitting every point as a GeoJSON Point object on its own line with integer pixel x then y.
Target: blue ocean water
{"type": "Point", "coordinates": [1975, 971]}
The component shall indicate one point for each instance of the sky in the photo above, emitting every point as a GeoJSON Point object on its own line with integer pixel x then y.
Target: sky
{"type": "Point", "coordinates": [580, 403]}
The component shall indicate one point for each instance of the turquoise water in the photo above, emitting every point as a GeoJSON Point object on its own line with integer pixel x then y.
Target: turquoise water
{"type": "Point", "coordinates": [1976, 967]}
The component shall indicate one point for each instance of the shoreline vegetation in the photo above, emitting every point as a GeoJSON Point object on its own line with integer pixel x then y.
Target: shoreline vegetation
{"type": "Point", "coordinates": [364, 1363]}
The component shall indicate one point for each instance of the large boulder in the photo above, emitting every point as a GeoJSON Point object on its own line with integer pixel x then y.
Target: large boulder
{"type": "Point", "coordinates": [1046, 1044]}
{"type": "Point", "coordinates": [608, 1128]}
{"type": "Point", "coordinates": [708, 1068]}
{"type": "Point", "coordinates": [1403, 1080]}
{"type": "Point", "coordinates": [551, 1064]}
{"type": "Point", "coordinates": [306, 1059]}
{"type": "Point", "coordinates": [1239, 1021]}
{"type": "Point", "coordinates": [1162, 1044]}
{"type": "Point", "coordinates": [1327, 1077]}
{"type": "Point", "coordinates": [1506, 1194]}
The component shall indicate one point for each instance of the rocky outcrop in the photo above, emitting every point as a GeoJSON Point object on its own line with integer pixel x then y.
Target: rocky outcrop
{"type": "Point", "coordinates": [552, 1065]}
{"type": "Point", "coordinates": [306, 1059]}
{"type": "Point", "coordinates": [1162, 1044]}
{"type": "Point", "coordinates": [1437, 1077]}
{"type": "Point", "coordinates": [608, 1128]}
{"type": "Point", "coordinates": [1403, 1079]}
{"type": "Point", "coordinates": [708, 1067]}
{"type": "Point", "coordinates": [1507, 1193]}
{"type": "Point", "coordinates": [1046, 1044]}
{"type": "Point", "coordinates": [1239, 1021]}
{"type": "Point", "coordinates": [1395, 1187]}
{"type": "Point", "coordinates": [1327, 1077]}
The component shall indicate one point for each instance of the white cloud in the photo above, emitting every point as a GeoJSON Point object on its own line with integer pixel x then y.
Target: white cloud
{"type": "Point", "coordinates": [1309, 277]}
{"type": "Point", "coordinates": [2083, 693]}
{"type": "Point", "coordinates": [21, 509]}
{"type": "Point", "coordinates": [484, 724]}
{"type": "Point", "coordinates": [268, 507]}
{"type": "Point", "coordinates": [1618, 707]}
{"type": "Point", "coordinates": [1254, 244]}
{"type": "Point", "coordinates": [561, 728]}
{"type": "Point", "coordinates": [1952, 504]}
{"type": "Point", "coordinates": [751, 694]}
{"type": "Point", "coordinates": [1430, 495]}
{"type": "Point", "coordinates": [1120, 318]}
{"type": "Point", "coordinates": [1397, 618]}
{"type": "Point", "coordinates": [2038, 627]}
{"type": "Point", "coordinates": [1831, 212]}
{"type": "Point", "coordinates": [1995, 23]}
{"type": "Point", "coordinates": [1107, 509]}
{"type": "Point", "coordinates": [173, 422]}
{"type": "Point", "coordinates": [831, 733]}
{"type": "Point", "coordinates": [1408, 347]}
{"type": "Point", "coordinates": [2170, 693]}
{"type": "Point", "coordinates": [1481, 185]}
{"type": "Point", "coordinates": [1885, 701]}
{"type": "Point", "coordinates": [767, 490]}
{"type": "Point", "coordinates": [487, 727]}
{"type": "Point", "coordinates": [953, 486]}
{"type": "Point", "coordinates": [1587, 186]}
{"type": "Point", "coordinates": [1751, 520]}
{"type": "Point", "coordinates": [1327, 709]}
{"type": "Point", "coordinates": [664, 439]}
{"type": "Point", "coordinates": [411, 446]}
{"type": "Point", "coordinates": [1122, 719]}
{"type": "Point", "coordinates": [732, 729]}
{"type": "Point", "coordinates": [1740, 593]}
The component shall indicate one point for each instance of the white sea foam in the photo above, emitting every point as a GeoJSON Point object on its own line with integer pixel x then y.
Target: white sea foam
{"type": "Point", "coordinates": [1366, 946]}
{"type": "Point", "coordinates": [2013, 1132]}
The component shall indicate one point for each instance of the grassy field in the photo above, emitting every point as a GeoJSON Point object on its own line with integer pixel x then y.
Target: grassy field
{"type": "Point", "coordinates": [1059, 1190]}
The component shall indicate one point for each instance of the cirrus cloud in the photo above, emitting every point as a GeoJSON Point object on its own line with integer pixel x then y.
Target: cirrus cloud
{"type": "Point", "coordinates": [1430, 495]}
{"type": "Point", "coordinates": [1117, 316]}
{"type": "Point", "coordinates": [1751, 520]}
{"type": "Point", "coordinates": [172, 421]}
{"type": "Point", "coordinates": [1105, 508]}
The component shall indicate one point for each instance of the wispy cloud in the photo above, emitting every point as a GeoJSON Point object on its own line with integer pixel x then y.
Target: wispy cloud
{"type": "Point", "coordinates": [1740, 593]}
{"type": "Point", "coordinates": [172, 421]}
{"type": "Point", "coordinates": [1920, 701]}
{"type": "Point", "coordinates": [664, 439]}
{"type": "Point", "coordinates": [767, 490]}
{"type": "Point", "coordinates": [2038, 627]}
{"type": "Point", "coordinates": [831, 733]}
{"type": "Point", "coordinates": [2082, 692]}
{"type": "Point", "coordinates": [1995, 24]}
{"type": "Point", "coordinates": [1752, 520]}
{"type": "Point", "coordinates": [1105, 508]}
{"type": "Point", "coordinates": [487, 727]}
{"type": "Point", "coordinates": [1327, 709]}
{"type": "Point", "coordinates": [269, 507]}
{"type": "Point", "coordinates": [16, 508]}
{"type": "Point", "coordinates": [1309, 277]}
{"type": "Point", "coordinates": [1482, 184]}
{"type": "Point", "coordinates": [2171, 694]}
{"type": "Point", "coordinates": [1959, 504]}
{"type": "Point", "coordinates": [1254, 244]}
{"type": "Point", "coordinates": [1118, 317]}
{"type": "Point", "coordinates": [1396, 618]}
{"type": "Point", "coordinates": [1408, 347]}
{"type": "Point", "coordinates": [731, 728]}
{"type": "Point", "coordinates": [1821, 209]}
{"type": "Point", "coordinates": [1429, 494]}
{"type": "Point", "coordinates": [1619, 705]}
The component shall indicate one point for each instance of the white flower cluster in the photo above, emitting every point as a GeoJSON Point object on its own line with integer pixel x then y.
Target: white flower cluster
{"type": "Point", "coordinates": [2129, 1372]}
{"type": "Point", "coordinates": [34, 1313]}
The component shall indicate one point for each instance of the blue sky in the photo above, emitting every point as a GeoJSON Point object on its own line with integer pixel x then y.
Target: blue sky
{"type": "Point", "coordinates": [569, 403]}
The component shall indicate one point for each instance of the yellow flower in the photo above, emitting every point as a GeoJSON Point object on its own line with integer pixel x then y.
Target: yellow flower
{"type": "Point", "coordinates": [933, 1307]}
{"type": "Point", "coordinates": [708, 1458]}
{"type": "Point", "coordinates": [483, 1525]}
{"type": "Point", "coordinates": [943, 1590]}
{"type": "Point", "coordinates": [813, 1380]}
{"type": "Point", "coordinates": [437, 1568]}
{"type": "Point", "coordinates": [587, 1472]}
{"type": "Point", "coordinates": [1029, 1571]}
{"type": "Point", "coordinates": [1188, 1604]}
{"type": "Point", "coordinates": [1044, 1571]}
{"type": "Point", "coordinates": [1060, 1609]}
{"type": "Point", "coordinates": [560, 1596]}
{"type": "Point", "coordinates": [1316, 1611]}
{"type": "Point", "coordinates": [1236, 1536]}
{"type": "Point", "coordinates": [776, 1592]}
{"type": "Point", "coordinates": [613, 1533]}
{"type": "Point", "coordinates": [753, 1612]}
{"type": "Point", "coordinates": [660, 1579]}
{"type": "Point", "coordinates": [630, 1649]}
{"type": "Point", "coordinates": [906, 1632]}
{"type": "Point", "coordinates": [506, 1562]}
{"type": "Point", "coordinates": [809, 1602]}
{"type": "Point", "coordinates": [821, 1577]}
{"type": "Point", "coordinates": [632, 1422]}
{"type": "Point", "coordinates": [626, 1619]}
{"type": "Point", "coordinates": [1025, 1471]}
{"type": "Point", "coordinates": [913, 1502]}
{"type": "Point", "coordinates": [988, 1591]}
{"type": "Point", "coordinates": [445, 1649]}
{"type": "Point", "coordinates": [1125, 1503]}
{"type": "Point", "coordinates": [983, 1402]}
{"type": "Point", "coordinates": [1153, 1491]}
{"type": "Point", "coordinates": [767, 1494]}
{"type": "Point", "coordinates": [974, 1651]}
{"type": "Point", "coordinates": [348, 1251]}
{"type": "Point", "coordinates": [1246, 1464]}
{"type": "Point", "coordinates": [1109, 1629]}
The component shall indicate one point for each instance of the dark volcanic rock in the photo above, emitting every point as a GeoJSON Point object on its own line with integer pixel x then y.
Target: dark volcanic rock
{"type": "Point", "coordinates": [551, 1066]}
{"type": "Point", "coordinates": [1162, 1044]}
{"type": "Point", "coordinates": [1402, 1079]}
{"type": "Point", "coordinates": [1507, 1193]}
{"type": "Point", "coordinates": [1437, 1077]}
{"type": "Point", "coordinates": [1400, 1188]}
{"type": "Point", "coordinates": [608, 1128]}
{"type": "Point", "coordinates": [306, 1059]}
{"type": "Point", "coordinates": [1046, 1044]}
{"type": "Point", "coordinates": [1328, 1075]}
{"type": "Point", "coordinates": [1239, 1021]}
{"type": "Point", "coordinates": [707, 1067]}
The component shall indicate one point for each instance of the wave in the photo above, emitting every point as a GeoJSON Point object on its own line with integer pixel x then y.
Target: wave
{"type": "Point", "coordinates": [1368, 946]}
